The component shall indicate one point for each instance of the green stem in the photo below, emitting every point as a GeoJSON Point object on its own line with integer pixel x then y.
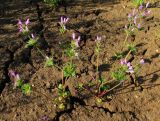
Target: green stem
{"type": "Point", "coordinates": [128, 54]}
{"type": "Point", "coordinates": [58, 67]}
{"type": "Point", "coordinates": [40, 52]}
{"type": "Point", "coordinates": [104, 92]}
{"type": "Point", "coordinates": [125, 40]}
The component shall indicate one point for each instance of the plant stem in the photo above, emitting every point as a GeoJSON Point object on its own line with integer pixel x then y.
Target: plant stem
{"type": "Point", "coordinates": [106, 91]}
{"type": "Point", "coordinates": [128, 54]}
{"type": "Point", "coordinates": [125, 42]}
{"type": "Point", "coordinates": [125, 39]}
{"type": "Point", "coordinates": [40, 52]}
{"type": "Point", "coordinates": [44, 95]}
{"type": "Point", "coordinates": [97, 67]}
{"type": "Point", "coordinates": [58, 67]}
{"type": "Point", "coordinates": [62, 77]}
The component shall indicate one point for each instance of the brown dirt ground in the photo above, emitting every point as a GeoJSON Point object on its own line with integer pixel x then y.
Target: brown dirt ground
{"type": "Point", "coordinates": [105, 18]}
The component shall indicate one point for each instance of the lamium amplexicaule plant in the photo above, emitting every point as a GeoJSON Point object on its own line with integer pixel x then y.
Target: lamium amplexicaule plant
{"type": "Point", "coordinates": [62, 24]}
{"type": "Point", "coordinates": [122, 73]}
{"type": "Point", "coordinates": [19, 83]}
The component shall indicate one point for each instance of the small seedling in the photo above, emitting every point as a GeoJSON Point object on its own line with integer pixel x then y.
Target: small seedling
{"type": "Point", "coordinates": [63, 96]}
{"type": "Point", "coordinates": [26, 89]}
{"type": "Point", "coordinates": [18, 83]}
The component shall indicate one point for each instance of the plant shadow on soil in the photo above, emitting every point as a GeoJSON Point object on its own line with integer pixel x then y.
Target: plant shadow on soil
{"type": "Point", "coordinates": [141, 84]}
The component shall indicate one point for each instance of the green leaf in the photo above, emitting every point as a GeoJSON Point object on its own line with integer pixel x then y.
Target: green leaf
{"type": "Point", "coordinates": [60, 86]}
{"type": "Point", "coordinates": [132, 48]}
{"type": "Point", "coordinates": [31, 43]}
{"type": "Point", "coordinates": [80, 85]}
{"type": "Point", "coordinates": [137, 3]}
{"type": "Point", "coordinates": [70, 52]}
{"type": "Point", "coordinates": [119, 55]}
{"type": "Point", "coordinates": [69, 70]}
{"type": "Point", "coordinates": [19, 83]}
{"type": "Point", "coordinates": [52, 3]}
{"type": "Point", "coordinates": [119, 74]}
{"type": "Point", "coordinates": [101, 80]}
{"type": "Point", "coordinates": [105, 87]}
{"type": "Point", "coordinates": [26, 89]}
{"type": "Point", "coordinates": [49, 62]}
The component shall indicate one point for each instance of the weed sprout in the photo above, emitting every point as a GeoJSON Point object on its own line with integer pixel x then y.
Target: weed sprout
{"type": "Point", "coordinates": [18, 82]}
{"type": "Point", "coordinates": [63, 23]}
{"type": "Point", "coordinates": [23, 27]}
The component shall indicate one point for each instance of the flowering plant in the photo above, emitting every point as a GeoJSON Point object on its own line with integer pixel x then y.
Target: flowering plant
{"type": "Point", "coordinates": [18, 82]}
{"type": "Point", "coordinates": [23, 27]}
{"type": "Point", "coordinates": [63, 23]}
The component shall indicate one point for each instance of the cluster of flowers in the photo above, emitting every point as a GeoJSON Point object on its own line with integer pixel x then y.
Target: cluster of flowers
{"type": "Point", "coordinates": [15, 77]}
{"type": "Point", "coordinates": [144, 10]}
{"type": "Point", "coordinates": [136, 15]}
{"type": "Point", "coordinates": [130, 68]}
{"type": "Point", "coordinates": [23, 27]}
{"type": "Point", "coordinates": [63, 23]}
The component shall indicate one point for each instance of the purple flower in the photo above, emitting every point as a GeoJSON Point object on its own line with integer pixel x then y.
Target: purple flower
{"type": "Point", "coordinates": [135, 19]}
{"type": "Point", "coordinates": [11, 73]}
{"type": "Point", "coordinates": [147, 5]}
{"type": "Point", "coordinates": [126, 27]}
{"type": "Point", "coordinates": [141, 61]}
{"type": "Point", "coordinates": [73, 36]}
{"type": "Point", "coordinates": [139, 26]}
{"type": "Point", "coordinates": [98, 39]}
{"type": "Point", "coordinates": [129, 16]}
{"type": "Point", "coordinates": [19, 22]}
{"type": "Point", "coordinates": [140, 7]}
{"type": "Point", "coordinates": [33, 37]}
{"type": "Point", "coordinates": [20, 29]}
{"type": "Point", "coordinates": [27, 22]}
{"type": "Point", "coordinates": [130, 68]}
{"type": "Point", "coordinates": [128, 64]}
{"type": "Point", "coordinates": [76, 40]}
{"type": "Point", "coordinates": [14, 76]}
{"type": "Point", "coordinates": [44, 118]}
{"type": "Point", "coordinates": [123, 62]}
{"type": "Point", "coordinates": [79, 38]}
{"type": "Point", "coordinates": [23, 27]}
{"type": "Point", "coordinates": [64, 21]}
{"type": "Point", "coordinates": [146, 12]}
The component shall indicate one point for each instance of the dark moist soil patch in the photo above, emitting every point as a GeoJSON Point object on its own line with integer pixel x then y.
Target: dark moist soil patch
{"type": "Point", "coordinates": [105, 18]}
